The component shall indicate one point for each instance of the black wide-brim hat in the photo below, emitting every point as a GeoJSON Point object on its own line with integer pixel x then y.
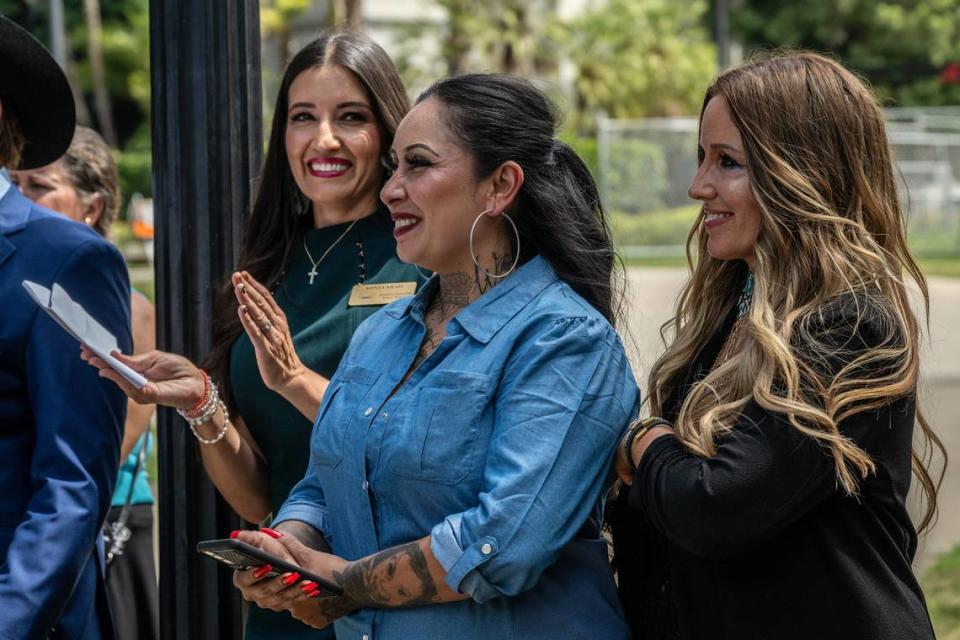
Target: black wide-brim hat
{"type": "Point", "coordinates": [33, 86]}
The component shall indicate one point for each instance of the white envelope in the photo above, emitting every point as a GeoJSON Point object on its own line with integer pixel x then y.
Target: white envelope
{"type": "Point", "coordinates": [78, 323]}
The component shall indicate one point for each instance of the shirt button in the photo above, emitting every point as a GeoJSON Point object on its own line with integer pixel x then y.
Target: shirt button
{"type": "Point", "coordinates": [485, 549]}
{"type": "Point", "coordinates": [368, 411]}
{"type": "Point", "coordinates": [366, 637]}
{"type": "Point", "coordinates": [385, 415]}
{"type": "Point", "coordinates": [365, 485]}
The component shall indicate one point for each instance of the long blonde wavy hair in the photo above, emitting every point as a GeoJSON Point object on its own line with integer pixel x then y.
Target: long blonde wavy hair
{"type": "Point", "coordinates": [831, 229]}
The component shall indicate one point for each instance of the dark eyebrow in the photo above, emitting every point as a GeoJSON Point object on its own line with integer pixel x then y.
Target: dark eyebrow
{"type": "Point", "coordinates": [722, 145]}
{"type": "Point", "coordinates": [420, 145]}
{"type": "Point", "coordinates": [342, 105]}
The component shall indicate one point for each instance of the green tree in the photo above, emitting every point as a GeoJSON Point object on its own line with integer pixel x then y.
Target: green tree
{"type": "Point", "coordinates": [900, 46]}
{"type": "Point", "coordinates": [124, 43]}
{"type": "Point", "coordinates": [507, 36]}
{"type": "Point", "coordinates": [637, 58]}
{"type": "Point", "coordinates": [275, 19]}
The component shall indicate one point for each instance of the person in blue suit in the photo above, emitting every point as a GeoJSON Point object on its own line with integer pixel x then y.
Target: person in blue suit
{"type": "Point", "coordinates": [60, 423]}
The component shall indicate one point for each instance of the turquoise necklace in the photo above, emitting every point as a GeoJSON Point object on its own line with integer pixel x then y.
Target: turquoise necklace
{"type": "Point", "coordinates": [746, 297]}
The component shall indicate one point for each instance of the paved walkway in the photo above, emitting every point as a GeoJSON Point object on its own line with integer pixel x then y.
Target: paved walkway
{"type": "Point", "coordinates": [653, 296]}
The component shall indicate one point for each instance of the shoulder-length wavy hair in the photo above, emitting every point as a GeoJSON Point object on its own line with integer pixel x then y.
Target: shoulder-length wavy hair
{"type": "Point", "coordinates": [275, 225]}
{"type": "Point", "coordinates": [831, 230]}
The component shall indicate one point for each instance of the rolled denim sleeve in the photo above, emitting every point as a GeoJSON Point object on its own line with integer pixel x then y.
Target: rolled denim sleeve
{"type": "Point", "coordinates": [566, 396]}
{"type": "Point", "coordinates": [306, 503]}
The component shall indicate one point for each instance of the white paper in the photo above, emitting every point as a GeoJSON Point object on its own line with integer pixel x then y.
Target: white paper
{"type": "Point", "coordinates": [78, 323]}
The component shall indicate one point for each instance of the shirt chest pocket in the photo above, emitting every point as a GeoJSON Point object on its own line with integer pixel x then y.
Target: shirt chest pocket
{"type": "Point", "coordinates": [444, 430]}
{"type": "Point", "coordinates": [341, 415]}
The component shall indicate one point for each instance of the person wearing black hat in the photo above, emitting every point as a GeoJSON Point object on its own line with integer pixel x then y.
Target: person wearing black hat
{"type": "Point", "coordinates": [60, 423]}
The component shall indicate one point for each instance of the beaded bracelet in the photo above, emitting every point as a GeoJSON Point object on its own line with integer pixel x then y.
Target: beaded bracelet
{"type": "Point", "coordinates": [223, 430]}
{"type": "Point", "coordinates": [204, 397]}
{"type": "Point", "coordinates": [204, 413]}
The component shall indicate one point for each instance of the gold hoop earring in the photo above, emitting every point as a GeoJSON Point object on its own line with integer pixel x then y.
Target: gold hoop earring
{"type": "Point", "coordinates": [473, 255]}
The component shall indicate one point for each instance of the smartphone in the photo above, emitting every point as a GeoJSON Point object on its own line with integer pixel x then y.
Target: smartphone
{"type": "Point", "coordinates": [239, 555]}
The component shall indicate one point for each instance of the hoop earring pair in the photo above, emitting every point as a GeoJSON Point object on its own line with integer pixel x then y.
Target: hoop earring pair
{"type": "Point", "coordinates": [473, 254]}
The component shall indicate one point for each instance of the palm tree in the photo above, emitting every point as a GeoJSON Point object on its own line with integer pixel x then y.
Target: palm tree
{"type": "Point", "coordinates": [101, 97]}
{"type": "Point", "coordinates": [346, 14]}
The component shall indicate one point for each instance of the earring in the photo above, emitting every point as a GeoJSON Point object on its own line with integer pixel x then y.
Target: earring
{"type": "Point", "coordinates": [473, 255]}
{"type": "Point", "coordinates": [87, 221]}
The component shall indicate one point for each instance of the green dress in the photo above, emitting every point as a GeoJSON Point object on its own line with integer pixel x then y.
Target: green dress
{"type": "Point", "coordinates": [321, 324]}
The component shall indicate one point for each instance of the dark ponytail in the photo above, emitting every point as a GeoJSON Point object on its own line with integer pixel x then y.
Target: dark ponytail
{"type": "Point", "coordinates": [559, 216]}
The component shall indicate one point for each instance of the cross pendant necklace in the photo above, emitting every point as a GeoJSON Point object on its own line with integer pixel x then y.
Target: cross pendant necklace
{"type": "Point", "coordinates": [315, 263]}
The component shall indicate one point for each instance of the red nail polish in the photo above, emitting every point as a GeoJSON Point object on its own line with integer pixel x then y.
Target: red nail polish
{"type": "Point", "coordinates": [308, 586]}
{"type": "Point", "coordinates": [290, 579]}
{"type": "Point", "coordinates": [262, 571]}
{"type": "Point", "coordinates": [314, 593]}
{"type": "Point", "coordinates": [271, 532]}
{"type": "Point", "coordinates": [234, 534]}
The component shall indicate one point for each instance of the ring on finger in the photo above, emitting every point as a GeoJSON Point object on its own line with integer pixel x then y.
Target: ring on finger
{"type": "Point", "coordinates": [266, 327]}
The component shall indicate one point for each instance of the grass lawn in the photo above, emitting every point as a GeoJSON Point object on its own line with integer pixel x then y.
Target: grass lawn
{"type": "Point", "coordinates": [941, 585]}
{"type": "Point", "coordinates": [646, 240]}
{"type": "Point", "coordinates": [947, 266]}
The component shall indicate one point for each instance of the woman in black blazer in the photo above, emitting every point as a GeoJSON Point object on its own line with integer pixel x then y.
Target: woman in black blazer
{"type": "Point", "coordinates": [768, 500]}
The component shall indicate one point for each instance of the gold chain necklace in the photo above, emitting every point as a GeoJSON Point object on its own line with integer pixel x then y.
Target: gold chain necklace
{"type": "Point", "coordinates": [316, 263]}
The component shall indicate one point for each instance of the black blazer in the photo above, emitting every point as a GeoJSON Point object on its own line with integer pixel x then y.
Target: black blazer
{"type": "Point", "coordinates": [759, 542]}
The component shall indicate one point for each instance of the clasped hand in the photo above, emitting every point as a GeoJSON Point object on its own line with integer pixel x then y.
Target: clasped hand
{"type": "Point", "coordinates": [289, 592]}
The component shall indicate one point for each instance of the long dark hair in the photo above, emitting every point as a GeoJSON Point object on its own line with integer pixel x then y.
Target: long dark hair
{"type": "Point", "coordinates": [275, 226]}
{"type": "Point", "coordinates": [559, 216]}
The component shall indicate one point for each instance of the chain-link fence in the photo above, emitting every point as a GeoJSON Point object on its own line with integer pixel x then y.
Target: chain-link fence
{"type": "Point", "coordinates": [645, 167]}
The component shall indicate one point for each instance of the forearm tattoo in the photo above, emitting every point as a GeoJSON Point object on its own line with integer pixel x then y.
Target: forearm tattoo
{"type": "Point", "coordinates": [397, 577]}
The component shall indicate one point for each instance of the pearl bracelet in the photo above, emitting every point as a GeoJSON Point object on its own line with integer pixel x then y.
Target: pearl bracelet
{"type": "Point", "coordinates": [223, 429]}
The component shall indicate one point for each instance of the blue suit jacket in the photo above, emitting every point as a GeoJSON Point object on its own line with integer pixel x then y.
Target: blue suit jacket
{"type": "Point", "coordinates": [60, 427]}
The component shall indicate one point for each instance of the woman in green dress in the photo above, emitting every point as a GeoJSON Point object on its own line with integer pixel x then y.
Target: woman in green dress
{"type": "Point", "coordinates": [322, 246]}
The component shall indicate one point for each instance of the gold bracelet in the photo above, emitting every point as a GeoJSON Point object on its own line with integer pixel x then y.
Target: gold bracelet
{"type": "Point", "coordinates": [636, 431]}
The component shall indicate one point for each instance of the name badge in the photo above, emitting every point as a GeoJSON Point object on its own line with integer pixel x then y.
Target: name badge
{"type": "Point", "coordinates": [368, 295]}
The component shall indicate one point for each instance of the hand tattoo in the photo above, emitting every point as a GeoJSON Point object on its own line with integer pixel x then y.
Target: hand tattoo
{"type": "Point", "coordinates": [397, 577]}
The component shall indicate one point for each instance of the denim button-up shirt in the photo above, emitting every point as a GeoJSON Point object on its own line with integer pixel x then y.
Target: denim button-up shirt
{"type": "Point", "coordinates": [498, 447]}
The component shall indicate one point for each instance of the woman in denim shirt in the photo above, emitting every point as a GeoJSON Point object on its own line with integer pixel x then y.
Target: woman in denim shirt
{"type": "Point", "coordinates": [461, 451]}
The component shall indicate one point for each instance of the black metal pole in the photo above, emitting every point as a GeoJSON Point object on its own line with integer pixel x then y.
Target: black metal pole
{"type": "Point", "coordinates": [207, 121]}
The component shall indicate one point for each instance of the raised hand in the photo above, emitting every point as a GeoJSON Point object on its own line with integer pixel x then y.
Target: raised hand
{"type": "Point", "coordinates": [172, 380]}
{"type": "Point", "coordinates": [266, 325]}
